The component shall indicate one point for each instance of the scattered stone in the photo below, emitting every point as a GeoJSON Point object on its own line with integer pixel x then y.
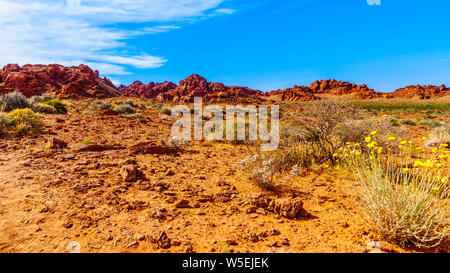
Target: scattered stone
{"type": "Point", "coordinates": [133, 244]}
{"type": "Point", "coordinates": [183, 204]}
{"type": "Point", "coordinates": [98, 148]}
{"type": "Point", "coordinates": [68, 224]}
{"type": "Point", "coordinates": [289, 208]}
{"type": "Point", "coordinates": [232, 242]}
{"type": "Point", "coordinates": [163, 240]}
{"type": "Point", "coordinates": [285, 242]}
{"type": "Point", "coordinates": [129, 173]}
{"type": "Point", "coordinates": [379, 246]}
{"type": "Point", "coordinates": [280, 250]}
{"type": "Point", "coordinates": [253, 237]}
{"type": "Point", "coordinates": [56, 143]}
{"type": "Point", "coordinates": [140, 237]}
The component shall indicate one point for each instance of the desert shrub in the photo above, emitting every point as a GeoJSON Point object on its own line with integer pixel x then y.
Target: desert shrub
{"type": "Point", "coordinates": [178, 143]}
{"type": "Point", "coordinates": [88, 112]}
{"type": "Point", "coordinates": [260, 169]}
{"type": "Point", "coordinates": [130, 103]}
{"type": "Point", "coordinates": [135, 116]}
{"type": "Point", "coordinates": [431, 123]}
{"type": "Point", "coordinates": [40, 99]}
{"type": "Point", "coordinates": [145, 105]}
{"type": "Point", "coordinates": [409, 122]}
{"type": "Point", "coordinates": [3, 123]}
{"type": "Point", "coordinates": [23, 121]}
{"type": "Point", "coordinates": [406, 205]}
{"type": "Point", "coordinates": [355, 131]}
{"type": "Point", "coordinates": [86, 141]}
{"type": "Point", "coordinates": [166, 111]}
{"type": "Point", "coordinates": [100, 105]}
{"type": "Point", "coordinates": [12, 101]}
{"type": "Point", "coordinates": [124, 109]}
{"type": "Point", "coordinates": [43, 108]}
{"type": "Point", "coordinates": [439, 135]}
{"type": "Point", "coordinates": [157, 106]}
{"type": "Point", "coordinates": [313, 138]}
{"type": "Point", "coordinates": [59, 105]}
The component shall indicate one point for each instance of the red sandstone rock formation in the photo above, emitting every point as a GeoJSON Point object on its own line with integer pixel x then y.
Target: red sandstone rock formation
{"type": "Point", "coordinates": [297, 93]}
{"type": "Point", "coordinates": [197, 86]}
{"type": "Point", "coordinates": [151, 90]}
{"type": "Point", "coordinates": [420, 92]}
{"type": "Point", "coordinates": [64, 82]}
{"type": "Point", "coordinates": [334, 87]}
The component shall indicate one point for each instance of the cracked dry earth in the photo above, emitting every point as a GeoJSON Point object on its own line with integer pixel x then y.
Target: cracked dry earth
{"type": "Point", "coordinates": [75, 199]}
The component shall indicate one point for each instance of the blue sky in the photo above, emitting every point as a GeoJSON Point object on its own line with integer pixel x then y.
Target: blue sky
{"type": "Point", "coordinates": [262, 44]}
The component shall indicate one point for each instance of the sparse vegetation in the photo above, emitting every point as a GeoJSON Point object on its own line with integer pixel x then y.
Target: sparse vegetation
{"type": "Point", "coordinates": [12, 101]}
{"type": "Point", "coordinates": [407, 205]}
{"type": "Point", "coordinates": [58, 105]}
{"type": "Point", "coordinates": [166, 111]}
{"type": "Point", "coordinates": [22, 121]}
{"type": "Point", "coordinates": [86, 141]}
{"type": "Point", "coordinates": [100, 105]}
{"type": "Point", "coordinates": [124, 109]}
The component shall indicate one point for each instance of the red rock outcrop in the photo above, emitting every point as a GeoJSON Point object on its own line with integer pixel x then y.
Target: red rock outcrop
{"type": "Point", "coordinates": [297, 93]}
{"type": "Point", "coordinates": [63, 82]}
{"type": "Point", "coordinates": [420, 92]}
{"type": "Point", "coordinates": [151, 90]}
{"type": "Point", "coordinates": [334, 87]}
{"type": "Point", "coordinates": [197, 86]}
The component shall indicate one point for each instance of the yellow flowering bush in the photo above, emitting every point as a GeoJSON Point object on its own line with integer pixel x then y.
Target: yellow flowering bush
{"type": "Point", "coordinates": [404, 197]}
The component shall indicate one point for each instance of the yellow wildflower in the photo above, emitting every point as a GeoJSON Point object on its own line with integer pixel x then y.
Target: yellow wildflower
{"type": "Point", "coordinates": [391, 138]}
{"type": "Point", "coordinates": [373, 133]}
{"type": "Point", "coordinates": [368, 139]}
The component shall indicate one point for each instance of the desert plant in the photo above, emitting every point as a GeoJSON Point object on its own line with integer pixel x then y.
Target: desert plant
{"type": "Point", "coordinates": [355, 131]}
{"type": "Point", "coordinates": [86, 141]}
{"type": "Point", "coordinates": [135, 116]}
{"type": "Point", "coordinates": [40, 99]}
{"type": "Point", "coordinates": [12, 101]}
{"type": "Point", "coordinates": [259, 169]}
{"type": "Point", "coordinates": [178, 143]}
{"type": "Point", "coordinates": [43, 108]}
{"type": "Point", "coordinates": [166, 111]}
{"type": "Point", "coordinates": [124, 109]}
{"type": "Point", "coordinates": [406, 205]}
{"type": "Point", "coordinates": [23, 121]}
{"type": "Point", "coordinates": [409, 122]}
{"type": "Point", "coordinates": [130, 102]}
{"type": "Point", "coordinates": [3, 123]}
{"type": "Point", "coordinates": [60, 107]}
{"type": "Point", "coordinates": [100, 105]}
{"type": "Point", "coordinates": [439, 135]}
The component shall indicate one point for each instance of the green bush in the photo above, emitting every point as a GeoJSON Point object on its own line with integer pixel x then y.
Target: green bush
{"type": "Point", "coordinates": [23, 121]}
{"type": "Point", "coordinates": [12, 101]}
{"type": "Point", "coordinates": [59, 106]}
{"type": "Point", "coordinates": [43, 108]}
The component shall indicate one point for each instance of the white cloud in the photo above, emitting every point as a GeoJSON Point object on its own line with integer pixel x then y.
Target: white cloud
{"type": "Point", "coordinates": [71, 32]}
{"type": "Point", "coordinates": [226, 11]}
